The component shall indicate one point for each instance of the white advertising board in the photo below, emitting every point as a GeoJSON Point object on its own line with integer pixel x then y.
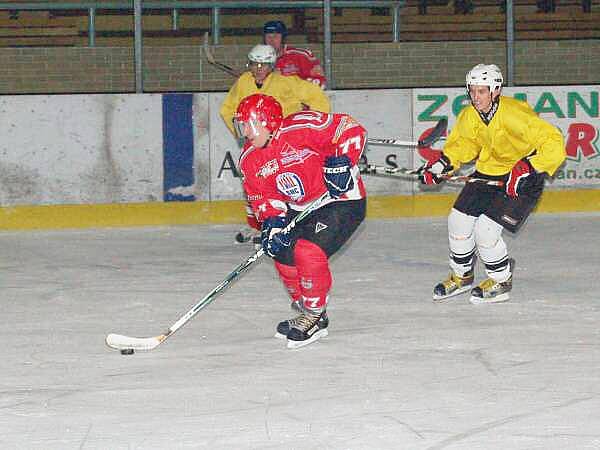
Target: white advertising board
{"type": "Point", "coordinates": [385, 114]}
{"type": "Point", "coordinates": [80, 149]}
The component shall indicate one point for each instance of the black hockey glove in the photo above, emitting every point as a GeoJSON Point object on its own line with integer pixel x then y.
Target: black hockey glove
{"type": "Point", "coordinates": [522, 177]}
{"type": "Point", "coordinates": [429, 173]}
{"type": "Point", "coordinates": [338, 178]}
{"type": "Point", "coordinates": [272, 239]}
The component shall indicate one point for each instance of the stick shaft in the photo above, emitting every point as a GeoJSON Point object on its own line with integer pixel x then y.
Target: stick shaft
{"type": "Point", "coordinates": [411, 174]}
{"type": "Point", "coordinates": [121, 341]}
{"type": "Point", "coordinates": [434, 135]}
{"type": "Point", "coordinates": [211, 59]}
{"type": "Point", "coordinates": [241, 269]}
{"type": "Point", "coordinates": [392, 142]}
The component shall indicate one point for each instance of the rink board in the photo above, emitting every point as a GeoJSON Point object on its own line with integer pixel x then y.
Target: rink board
{"type": "Point", "coordinates": [128, 159]}
{"type": "Point", "coordinates": [232, 211]}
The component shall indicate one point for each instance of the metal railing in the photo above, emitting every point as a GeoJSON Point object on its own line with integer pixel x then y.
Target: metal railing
{"type": "Point", "coordinates": [215, 6]}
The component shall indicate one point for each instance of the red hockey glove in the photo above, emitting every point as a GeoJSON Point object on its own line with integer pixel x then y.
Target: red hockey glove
{"type": "Point", "coordinates": [429, 173]}
{"type": "Point", "coordinates": [521, 177]}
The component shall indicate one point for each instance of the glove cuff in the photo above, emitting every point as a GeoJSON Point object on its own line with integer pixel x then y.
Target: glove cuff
{"type": "Point", "coordinates": [333, 170]}
{"type": "Point", "coordinates": [529, 165]}
{"type": "Point", "coordinates": [440, 165]}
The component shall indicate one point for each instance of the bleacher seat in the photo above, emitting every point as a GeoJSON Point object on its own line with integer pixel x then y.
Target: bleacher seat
{"type": "Point", "coordinates": [242, 26]}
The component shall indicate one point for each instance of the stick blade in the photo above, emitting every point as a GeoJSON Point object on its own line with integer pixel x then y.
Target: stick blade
{"type": "Point", "coordinates": [120, 342]}
{"type": "Point", "coordinates": [435, 134]}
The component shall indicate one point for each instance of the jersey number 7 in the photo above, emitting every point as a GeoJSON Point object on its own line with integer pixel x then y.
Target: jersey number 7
{"type": "Point", "coordinates": [345, 146]}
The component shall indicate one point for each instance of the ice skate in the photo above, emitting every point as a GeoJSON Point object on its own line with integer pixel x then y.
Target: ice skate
{"type": "Point", "coordinates": [490, 291]}
{"type": "Point", "coordinates": [307, 328]}
{"type": "Point", "coordinates": [302, 324]}
{"type": "Point", "coordinates": [452, 286]}
{"type": "Point", "coordinates": [284, 327]}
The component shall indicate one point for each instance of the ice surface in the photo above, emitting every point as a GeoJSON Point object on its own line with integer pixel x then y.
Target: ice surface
{"type": "Point", "coordinates": [396, 372]}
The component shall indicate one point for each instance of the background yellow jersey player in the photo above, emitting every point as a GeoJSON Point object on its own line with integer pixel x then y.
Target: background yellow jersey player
{"type": "Point", "coordinates": [293, 93]}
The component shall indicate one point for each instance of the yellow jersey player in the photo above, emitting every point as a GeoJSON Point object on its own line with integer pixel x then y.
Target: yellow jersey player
{"type": "Point", "coordinates": [510, 143]}
{"type": "Point", "coordinates": [292, 93]}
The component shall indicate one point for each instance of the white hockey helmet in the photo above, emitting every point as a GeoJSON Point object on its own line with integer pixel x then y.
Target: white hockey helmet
{"type": "Point", "coordinates": [262, 54]}
{"type": "Point", "coordinates": [485, 75]}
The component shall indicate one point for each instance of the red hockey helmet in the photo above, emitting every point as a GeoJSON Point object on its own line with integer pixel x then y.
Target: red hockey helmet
{"type": "Point", "coordinates": [258, 109]}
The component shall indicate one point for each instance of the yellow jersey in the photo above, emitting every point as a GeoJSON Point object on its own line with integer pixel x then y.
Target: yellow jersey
{"type": "Point", "coordinates": [515, 131]}
{"type": "Point", "coordinates": [290, 91]}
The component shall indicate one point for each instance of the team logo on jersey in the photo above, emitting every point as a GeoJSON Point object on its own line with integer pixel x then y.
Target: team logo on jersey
{"type": "Point", "coordinates": [291, 156]}
{"type": "Point", "coordinates": [306, 283]}
{"type": "Point", "coordinates": [319, 227]}
{"type": "Point", "coordinates": [290, 184]}
{"type": "Point", "coordinates": [269, 168]}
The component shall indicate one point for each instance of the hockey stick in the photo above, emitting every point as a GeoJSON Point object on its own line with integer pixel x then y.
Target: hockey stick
{"type": "Point", "coordinates": [435, 134]}
{"type": "Point", "coordinates": [121, 342]}
{"type": "Point", "coordinates": [413, 174]}
{"type": "Point", "coordinates": [211, 59]}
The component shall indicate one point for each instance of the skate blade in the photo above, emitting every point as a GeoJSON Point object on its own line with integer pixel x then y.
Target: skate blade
{"type": "Point", "coordinates": [318, 335]}
{"type": "Point", "coordinates": [442, 298]}
{"type": "Point", "coordinates": [498, 299]}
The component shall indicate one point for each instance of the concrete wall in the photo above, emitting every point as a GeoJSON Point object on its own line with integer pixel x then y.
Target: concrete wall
{"type": "Point", "coordinates": [373, 65]}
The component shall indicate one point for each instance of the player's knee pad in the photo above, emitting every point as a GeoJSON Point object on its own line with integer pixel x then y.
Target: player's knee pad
{"type": "Point", "coordinates": [487, 232]}
{"type": "Point", "coordinates": [492, 248]}
{"type": "Point", "coordinates": [313, 272]}
{"type": "Point", "coordinates": [291, 280]}
{"type": "Point", "coordinates": [460, 225]}
{"type": "Point", "coordinates": [460, 232]}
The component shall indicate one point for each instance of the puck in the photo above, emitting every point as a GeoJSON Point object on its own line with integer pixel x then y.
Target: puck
{"type": "Point", "coordinates": [127, 351]}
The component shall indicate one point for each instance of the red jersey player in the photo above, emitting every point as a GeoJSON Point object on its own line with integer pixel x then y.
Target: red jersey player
{"type": "Point", "coordinates": [292, 60]}
{"type": "Point", "coordinates": [286, 164]}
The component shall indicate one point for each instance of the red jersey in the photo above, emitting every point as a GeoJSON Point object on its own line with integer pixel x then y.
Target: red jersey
{"type": "Point", "coordinates": [301, 62]}
{"type": "Point", "coordinates": [288, 172]}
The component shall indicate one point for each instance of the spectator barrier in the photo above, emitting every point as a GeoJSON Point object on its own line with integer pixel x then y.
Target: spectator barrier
{"type": "Point", "coordinates": [151, 159]}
